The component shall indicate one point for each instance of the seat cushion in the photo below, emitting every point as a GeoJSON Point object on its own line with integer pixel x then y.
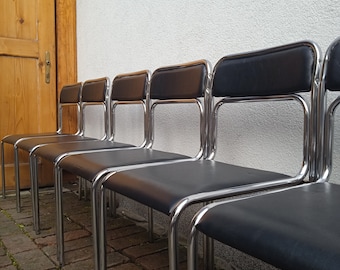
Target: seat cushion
{"type": "Point", "coordinates": [90, 164]}
{"type": "Point", "coordinates": [12, 139]}
{"type": "Point", "coordinates": [51, 152]}
{"type": "Point", "coordinates": [294, 229]}
{"type": "Point", "coordinates": [162, 187]}
{"type": "Point", "coordinates": [29, 144]}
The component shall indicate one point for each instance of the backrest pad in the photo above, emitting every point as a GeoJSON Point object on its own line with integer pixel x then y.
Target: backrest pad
{"type": "Point", "coordinates": [70, 93]}
{"type": "Point", "coordinates": [94, 90]}
{"type": "Point", "coordinates": [332, 81]}
{"type": "Point", "coordinates": [276, 71]}
{"type": "Point", "coordinates": [179, 82]}
{"type": "Point", "coordinates": [130, 87]}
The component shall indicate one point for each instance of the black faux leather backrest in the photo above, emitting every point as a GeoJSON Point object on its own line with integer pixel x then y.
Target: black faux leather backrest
{"type": "Point", "coordinates": [333, 68]}
{"type": "Point", "coordinates": [130, 87]}
{"type": "Point", "coordinates": [70, 93]}
{"type": "Point", "coordinates": [281, 70]}
{"type": "Point", "coordinates": [179, 82]}
{"type": "Point", "coordinates": [94, 90]}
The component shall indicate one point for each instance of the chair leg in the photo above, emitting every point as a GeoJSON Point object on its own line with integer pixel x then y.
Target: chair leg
{"type": "Point", "coordinates": [172, 233]}
{"type": "Point", "coordinates": [99, 220]}
{"type": "Point", "coordinates": [208, 253]}
{"type": "Point", "coordinates": [96, 210]}
{"type": "Point", "coordinates": [172, 246]}
{"type": "Point", "coordinates": [59, 213]}
{"type": "Point", "coordinates": [80, 188]}
{"type": "Point", "coordinates": [57, 232]}
{"type": "Point", "coordinates": [34, 193]}
{"type": "Point", "coordinates": [113, 203]}
{"type": "Point", "coordinates": [192, 245]}
{"type": "Point", "coordinates": [85, 188]}
{"type": "Point", "coordinates": [192, 248]}
{"type": "Point", "coordinates": [17, 179]}
{"type": "Point", "coordinates": [173, 239]}
{"type": "Point", "coordinates": [102, 229]}
{"type": "Point", "coordinates": [150, 224]}
{"type": "Point", "coordinates": [3, 170]}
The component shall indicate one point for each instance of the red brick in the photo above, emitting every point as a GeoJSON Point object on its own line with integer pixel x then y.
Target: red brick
{"type": "Point", "coordinates": [71, 235]}
{"type": "Point", "coordinates": [123, 232]}
{"type": "Point", "coordinates": [146, 249]}
{"type": "Point", "coordinates": [154, 261]}
{"type": "Point", "coordinates": [126, 266]}
{"type": "Point", "coordinates": [128, 241]}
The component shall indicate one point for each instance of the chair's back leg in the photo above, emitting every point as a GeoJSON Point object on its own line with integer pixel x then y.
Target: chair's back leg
{"type": "Point", "coordinates": [3, 170]}
{"type": "Point", "coordinates": [17, 179]}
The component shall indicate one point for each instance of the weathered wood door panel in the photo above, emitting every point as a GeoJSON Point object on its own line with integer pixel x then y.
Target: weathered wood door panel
{"type": "Point", "coordinates": [27, 96]}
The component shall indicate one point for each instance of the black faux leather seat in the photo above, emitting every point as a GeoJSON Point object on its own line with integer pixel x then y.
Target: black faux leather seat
{"type": "Point", "coordinates": [179, 181]}
{"type": "Point", "coordinates": [186, 83]}
{"type": "Point", "coordinates": [295, 228]}
{"type": "Point", "coordinates": [274, 74]}
{"type": "Point", "coordinates": [70, 95]}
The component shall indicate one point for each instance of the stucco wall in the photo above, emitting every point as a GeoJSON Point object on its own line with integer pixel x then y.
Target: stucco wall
{"type": "Point", "coordinates": [124, 36]}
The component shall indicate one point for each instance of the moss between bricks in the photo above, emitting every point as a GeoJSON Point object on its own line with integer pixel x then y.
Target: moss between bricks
{"type": "Point", "coordinates": [19, 225]}
{"type": "Point", "coordinates": [9, 255]}
{"type": "Point", "coordinates": [22, 228]}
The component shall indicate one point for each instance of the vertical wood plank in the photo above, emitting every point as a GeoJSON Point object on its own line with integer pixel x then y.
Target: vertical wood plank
{"type": "Point", "coordinates": [47, 94]}
{"type": "Point", "coordinates": [66, 53]}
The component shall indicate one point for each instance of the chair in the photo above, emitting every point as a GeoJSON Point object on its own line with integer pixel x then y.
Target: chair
{"type": "Point", "coordinates": [69, 96]}
{"type": "Point", "coordinates": [127, 89]}
{"type": "Point", "coordinates": [294, 228]}
{"type": "Point", "coordinates": [180, 84]}
{"type": "Point", "coordinates": [94, 92]}
{"type": "Point", "coordinates": [276, 74]}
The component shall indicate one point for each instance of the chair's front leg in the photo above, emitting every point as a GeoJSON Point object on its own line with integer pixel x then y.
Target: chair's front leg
{"type": "Point", "coordinates": [112, 203]}
{"type": "Point", "coordinates": [172, 246]}
{"type": "Point", "coordinates": [192, 247]}
{"type": "Point", "coordinates": [59, 213]}
{"type": "Point", "coordinates": [173, 237]}
{"type": "Point", "coordinates": [97, 209]}
{"type": "Point", "coordinates": [150, 224]}
{"type": "Point", "coordinates": [208, 253]}
{"type": "Point", "coordinates": [34, 192]}
{"type": "Point", "coordinates": [95, 227]}
{"type": "Point", "coordinates": [102, 229]}
{"type": "Point", "coordinates": [17, 178]}
{"type": "Point", "coordinates": [3, 170]}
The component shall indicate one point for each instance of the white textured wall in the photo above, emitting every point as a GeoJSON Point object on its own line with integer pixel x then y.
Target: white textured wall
{"type": "Point", "coordinates": [124, 36]}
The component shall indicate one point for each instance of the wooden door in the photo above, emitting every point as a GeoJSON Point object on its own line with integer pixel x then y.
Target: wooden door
{"type": "Point", "coordinates": [27, 90]}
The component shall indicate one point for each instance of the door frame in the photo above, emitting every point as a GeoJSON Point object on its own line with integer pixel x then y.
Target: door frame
{"type": "Point", "coordinates": [66, 42]}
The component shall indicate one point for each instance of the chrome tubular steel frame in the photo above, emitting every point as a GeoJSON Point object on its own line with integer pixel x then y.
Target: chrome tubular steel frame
{"type": "Point", "coordinates": [309, 143]}
{"type": "Point", "coordinates": [58, 171]}
{"type": "Point", "coordinates": [310, 164]}
{"type": "Point", "coordinates": [98, 193]}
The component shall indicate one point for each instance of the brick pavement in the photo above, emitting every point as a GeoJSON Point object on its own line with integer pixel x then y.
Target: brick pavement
{"type": "Point", "coordinates": [21, 248]}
